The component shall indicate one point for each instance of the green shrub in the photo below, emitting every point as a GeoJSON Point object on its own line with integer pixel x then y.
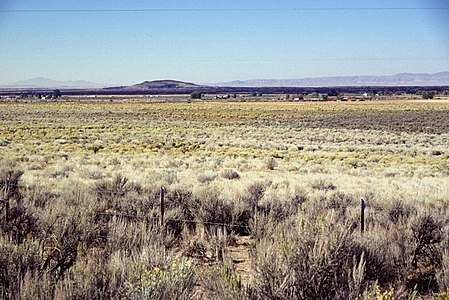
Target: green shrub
{"type": "Point", "coordinates": [195, 95]}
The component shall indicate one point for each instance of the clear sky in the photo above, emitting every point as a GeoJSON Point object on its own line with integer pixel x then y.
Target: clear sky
{"type": "Point", "coordinates": [127, 42]}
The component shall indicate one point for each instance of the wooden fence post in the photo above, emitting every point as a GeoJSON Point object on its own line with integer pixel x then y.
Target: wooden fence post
{"type": "Point", "coordinates": [220, 237]}
{"type": "Point", "coordinates": [162, 208]}
{"type": "Point", "coordinates": [255, 222]}
{"type": "Point", "coordinates": [7, 199]}
{"type": "Point", "coordinates": [362, 217]}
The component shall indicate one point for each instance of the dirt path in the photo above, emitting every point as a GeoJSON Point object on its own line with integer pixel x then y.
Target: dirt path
{"type": "Point", "coordinates": [239, 254]}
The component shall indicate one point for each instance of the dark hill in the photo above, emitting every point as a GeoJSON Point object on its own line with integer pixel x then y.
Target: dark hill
{"type": "Point", "coordinates": [156, 85]}
{"type": "Point", "coordinates": [164, 84]}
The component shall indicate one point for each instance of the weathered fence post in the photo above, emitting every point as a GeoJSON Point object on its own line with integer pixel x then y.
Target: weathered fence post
{"type": "Point", "coordinates": [7, 199]}
{"type": "Point", "coordinates": [162, 208]}
{"type": "Point", "coordinates": [362, 217]}
{"type": "Point", "coordinates": [256, 229]}
{"type": "Point", "coordinates": [220, 237]}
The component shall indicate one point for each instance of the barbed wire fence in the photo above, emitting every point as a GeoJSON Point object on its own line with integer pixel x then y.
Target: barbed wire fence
{"type": "Point", "coordinates": [161, 220]}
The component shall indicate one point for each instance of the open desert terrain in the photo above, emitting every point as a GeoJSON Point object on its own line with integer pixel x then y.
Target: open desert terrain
{"type": "Point", "coordinates": [262, 200]}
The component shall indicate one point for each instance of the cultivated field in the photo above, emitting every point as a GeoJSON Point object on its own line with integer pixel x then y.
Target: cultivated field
{"type": "Point", "coordinates": [262, 200]}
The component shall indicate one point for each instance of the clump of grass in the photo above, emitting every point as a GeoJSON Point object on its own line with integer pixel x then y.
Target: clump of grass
{"type": "Point", "coordinates": [222, 282]}
{"type": "Point", "coordinates": [400, 211]}
{"type": "Point", "coordinates": [322, 184]}
{"type": "Point", "coordinates": [229, 174]}
{"type": "Point", "coordinates": [206, 177]}
{"type": "Point", "coordinates": [308, 262]}
{"type": "Point", "coordinates": [271, 163]}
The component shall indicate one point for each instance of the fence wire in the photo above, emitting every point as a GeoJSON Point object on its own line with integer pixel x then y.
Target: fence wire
{"type": "Point", "coordinates": [141, 218]}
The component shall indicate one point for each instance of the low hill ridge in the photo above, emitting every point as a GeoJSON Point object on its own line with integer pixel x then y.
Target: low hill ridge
{"type": "Point", "coordinates": [165, 84]}
{"type": "Point", "coordinates": [157, 84]}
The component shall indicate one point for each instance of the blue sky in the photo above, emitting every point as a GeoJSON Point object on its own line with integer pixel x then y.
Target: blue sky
{"type": "Point", "coordinates": [127, 42]}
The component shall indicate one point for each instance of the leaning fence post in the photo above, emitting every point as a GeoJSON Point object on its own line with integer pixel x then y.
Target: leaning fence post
{"type": "Point", "coordinates": [162, 208]}
{"type": "Point", "coordinates": [362, 217]}
{"type": "Point", "coordinates": [7, 199]}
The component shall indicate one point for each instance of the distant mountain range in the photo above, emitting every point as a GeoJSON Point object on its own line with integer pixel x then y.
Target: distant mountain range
{"type": "Point", "coordinates": [45, 82]}
{"type": "Point", "coordinates": [171, 87]}
{"type": "Point", "coordinates": [267, 85]}
{"type": "Point", "coordinates": [403, 79]}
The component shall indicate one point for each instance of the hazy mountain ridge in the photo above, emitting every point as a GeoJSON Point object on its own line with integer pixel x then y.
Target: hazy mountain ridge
{"type": "Point", "coordinates": [402, 79]}
{"type": "Point", "coordinates": [46, 82]}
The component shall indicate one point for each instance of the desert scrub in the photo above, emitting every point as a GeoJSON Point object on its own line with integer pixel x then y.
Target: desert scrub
{"type": "Point", "coordinates": [206, 177]}
{"type": "Point", "coordinates": [175, 280]}
{"type": "Point", "coordinates": [302, 261]}
{"type": "Point", "coordinates": [209, 206]}
{"type": "Point", "coordinates": [271, 163]}
{"type": "Point", "coordinates": [222, 282]}
{"type": "Point", "coordinates": [322, 184]}
{"type": "Point", "coordinates": [229, 174]}
{"type": "Point", "coordinates": [82, 125]}
{"type": "Point", "coordinates": [91, 225]}
{"type": "Point", "coordinates": [377, 293]}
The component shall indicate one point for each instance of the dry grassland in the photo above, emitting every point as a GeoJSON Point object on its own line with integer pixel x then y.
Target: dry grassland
{"type": "Point", "coordinates": [284, 179]}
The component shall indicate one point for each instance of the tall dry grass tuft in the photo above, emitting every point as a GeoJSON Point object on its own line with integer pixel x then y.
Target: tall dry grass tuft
{"type": "Point", "coordinates": [308, 259]}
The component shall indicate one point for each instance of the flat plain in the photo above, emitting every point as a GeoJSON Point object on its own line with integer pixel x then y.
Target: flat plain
{"type": "Point", "coordinates": [284, 180]}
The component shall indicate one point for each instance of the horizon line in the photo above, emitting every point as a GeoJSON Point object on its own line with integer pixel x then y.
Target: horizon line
{"type": "Point", "coordinates": [218, 9]}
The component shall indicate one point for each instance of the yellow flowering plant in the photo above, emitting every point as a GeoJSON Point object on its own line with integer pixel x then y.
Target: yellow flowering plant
{"type": "Point", "coordinates": [171, 280]}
